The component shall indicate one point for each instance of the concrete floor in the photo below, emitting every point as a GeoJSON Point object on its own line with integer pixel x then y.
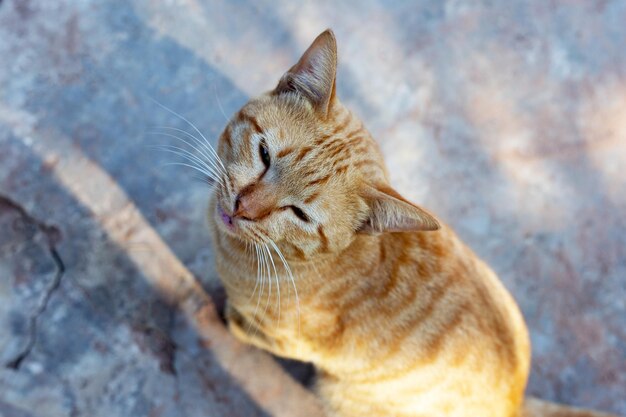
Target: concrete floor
{"type": "Point", "coordinates": [507, 118]}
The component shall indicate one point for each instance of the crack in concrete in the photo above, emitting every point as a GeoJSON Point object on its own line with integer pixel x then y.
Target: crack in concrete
{"type": "Point", "coordinates": [52, 234]}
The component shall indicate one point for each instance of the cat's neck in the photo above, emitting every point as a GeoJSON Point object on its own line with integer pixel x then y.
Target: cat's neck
{"type": "Point", "coordinates": [365, 250]}
{"type": "Point", "coordinates": [242, 257]}
{"type": "Point", "coordinates": [242, 267]}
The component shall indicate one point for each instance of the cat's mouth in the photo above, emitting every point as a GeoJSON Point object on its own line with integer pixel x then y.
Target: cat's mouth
{"type": "Point", "coordinates": [226, 219]}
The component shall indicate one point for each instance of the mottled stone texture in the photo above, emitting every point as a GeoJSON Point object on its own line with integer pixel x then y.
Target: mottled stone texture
{"type": "Point", "coordinates": [507, 118]}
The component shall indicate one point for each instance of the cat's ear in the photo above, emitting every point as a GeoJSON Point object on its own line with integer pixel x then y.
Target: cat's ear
{"type": "Point", "coordinates": [314, 75]}
{"type": "Point", "coordinates": [390, 212]}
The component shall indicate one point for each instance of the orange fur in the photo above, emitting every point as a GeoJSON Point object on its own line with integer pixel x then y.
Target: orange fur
{"type": "Point", "coordinates": [399, 317]}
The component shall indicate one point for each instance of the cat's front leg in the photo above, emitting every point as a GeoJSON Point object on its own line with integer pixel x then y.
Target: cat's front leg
{"type": "Point", "coordinates": [248, 332]}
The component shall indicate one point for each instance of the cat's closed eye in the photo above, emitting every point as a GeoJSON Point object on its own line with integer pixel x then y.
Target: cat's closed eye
{"type": "Point", "coordinates": [300, 214]}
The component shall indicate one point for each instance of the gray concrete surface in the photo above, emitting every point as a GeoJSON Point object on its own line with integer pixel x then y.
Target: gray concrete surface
{"type": "Point", "coordinates": [506, 118]}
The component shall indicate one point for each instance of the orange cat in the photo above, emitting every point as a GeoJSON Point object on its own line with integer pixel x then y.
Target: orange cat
{"type": "Point", "coordinates": [324, 262]}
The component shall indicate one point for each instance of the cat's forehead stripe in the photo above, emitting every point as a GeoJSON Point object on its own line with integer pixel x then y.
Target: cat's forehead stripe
{"type": "Point", "coordinates": [244, 117]}
{"type": "Point", "coordinates": [285, 152]}
{"type": "Point", "coordinates": [320, 180]}
{"type": "Point", "coordinates": [226, 137]}
{"type": "Point", "coordinates": [303, 152]}
{"type": "Point", "coordinates": [312, 197]}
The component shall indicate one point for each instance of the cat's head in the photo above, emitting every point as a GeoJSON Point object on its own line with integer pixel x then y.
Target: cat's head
{"type": "Point", "coordinates": [303, 171]}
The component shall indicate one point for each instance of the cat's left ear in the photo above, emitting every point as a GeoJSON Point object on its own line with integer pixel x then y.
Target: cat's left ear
{"type": "Point", "coordinates": [390, 212]}
{"type": "Point", "coordinates": [314, 75]}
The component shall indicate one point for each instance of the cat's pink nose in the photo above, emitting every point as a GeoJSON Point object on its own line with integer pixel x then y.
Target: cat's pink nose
{"type": "Point", "coordinates": [254, 203]}
{"type": "Point", "coordinates": [244, 208]}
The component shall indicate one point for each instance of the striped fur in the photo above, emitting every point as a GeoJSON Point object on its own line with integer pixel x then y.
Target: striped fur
{"type": "Point", "coordinates": [399, 317]}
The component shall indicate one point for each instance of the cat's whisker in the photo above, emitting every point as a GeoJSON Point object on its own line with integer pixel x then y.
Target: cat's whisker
{"type": "Point", "coordinates": [255, 287]}
{"type": "Point", "coordinates": [269, 253]}
{"type": "Point", "coordinates": [189, 166]}
{"type": "Point", "coordinates": [206, 176]}
{"type": "Point", "coordinates": [196, 151]}
{"type": "Point", "coordinates": [248, 251]}
{"type": "Point", "coordinates": [194, 127]}
{"type": "Point", "coordinates": [211, 182]}
{"type": "Point", "coordinates": [269, 281]}
{"type": "Point", "coordinates": [199, 146]}
{"type": "Point", "coordinates": [208, 157]}
{"type": "Point", "coordinates": [293, 281]}
{"type": "Point", "coordinates": [265, 274]}
{"type": "Point", "coordinates": [189, 157]}
{"type": "Point", "coordinates": [204, 144]}
{"type": "Point", "coordinates": [261, 275]}
{"type": "Point", "coordinates": [256, 278]}
{"type": "Point", "coordinates": [196, 145]}
{"type": "Point", "coordinates": [219, 103]}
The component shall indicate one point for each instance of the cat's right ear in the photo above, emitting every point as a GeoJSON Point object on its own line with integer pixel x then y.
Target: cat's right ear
{"type": "Point", "coordinates": [390, 212]}
{"type": "Point", "coordinates": [314, 75]}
